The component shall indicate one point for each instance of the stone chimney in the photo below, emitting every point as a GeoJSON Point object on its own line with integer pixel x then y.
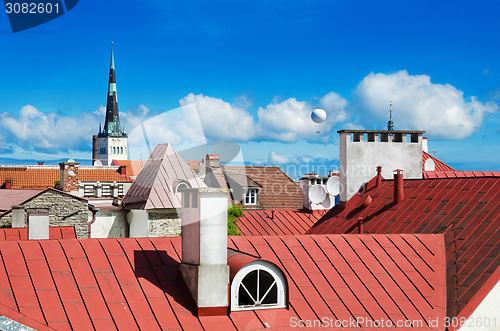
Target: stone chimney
{"type": "Point", "coordinates": [212, 160]}
{"type": "Point", "coordinates": [399, 194]}
{"type": "Point", "coordinates": [68, 181]}
{"type": "Point", "coordinates": [38, 223]}
{"type": "Point", "coordinates": [204, 249]}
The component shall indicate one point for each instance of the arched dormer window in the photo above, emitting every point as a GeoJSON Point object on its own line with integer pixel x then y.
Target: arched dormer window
{"type": "Point", "coordinates": [258, 285]}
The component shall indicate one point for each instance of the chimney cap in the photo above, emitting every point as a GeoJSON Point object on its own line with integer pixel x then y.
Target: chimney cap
{"type": "Point", "coordinates": [398, 170]}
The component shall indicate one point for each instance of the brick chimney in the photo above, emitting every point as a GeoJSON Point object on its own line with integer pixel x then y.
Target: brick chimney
{"type": "Point", "coordinates": [204, 249]}
{"type": "Point", "coordinates": [8, 184]}
{"type": "Point", "coordinates": [398, 186]}
{"type": "Point", "coordinates": [213, 160]}
{"type": "Point", "coordinates": [68, 181]}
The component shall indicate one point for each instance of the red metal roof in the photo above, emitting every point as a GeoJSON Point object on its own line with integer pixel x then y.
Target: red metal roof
{"type": "Point", "coordinates": [467, 207]}
{"type": "Point", "coordinates": [126, 284]}
{"type": "Point", "coordinates": [154, 187]}
{"type": "Point", "coordinates": [55, 232]}
{"type": "Point", "coordinates": [277, 222]}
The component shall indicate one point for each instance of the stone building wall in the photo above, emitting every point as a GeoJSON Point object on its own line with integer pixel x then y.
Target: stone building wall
{"type": "Point", "coordinates": [164, 223]}
{"type": "Point", "coordinates": [64, 210]}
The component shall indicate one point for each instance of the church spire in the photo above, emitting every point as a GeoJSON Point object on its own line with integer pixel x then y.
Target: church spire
{"type": "Point", "coordinates": [390, 123]}
{"type": "Point", "coordinates": [112, 123]}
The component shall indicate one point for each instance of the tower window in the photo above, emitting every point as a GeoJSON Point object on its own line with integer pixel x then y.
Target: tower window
{"type": "Point", "coordinates": [258, 285]}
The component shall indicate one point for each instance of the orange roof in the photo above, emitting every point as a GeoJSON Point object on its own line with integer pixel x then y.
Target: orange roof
{"type": "Point", "coordinates": [133, 166]}
{"type": "Point", "coordinates": [39, 177]}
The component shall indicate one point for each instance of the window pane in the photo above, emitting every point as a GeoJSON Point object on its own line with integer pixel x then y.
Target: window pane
{"type": "Point", "coordinates": [266, 281]}
{"type": "Point", "coordinates": [250, 282]}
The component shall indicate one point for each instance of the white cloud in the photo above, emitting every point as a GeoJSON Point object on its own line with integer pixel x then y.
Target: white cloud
{"type": "Point", "coordinates": [220, 119]}
{"type": "Point", "coordinates": [290, 120]}
{"type": "Point", "coordinates": [48, 132]}
{"type": "Point", "coordinates": [440, 109]}
{"type": "Point", "coordinates": [276, 158]}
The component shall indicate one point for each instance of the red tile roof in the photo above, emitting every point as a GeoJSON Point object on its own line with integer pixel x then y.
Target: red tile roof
{"type": "Point", "coordinates": [278, 190]}
{"type": "Point", "coordinates": [469, 208]}
{"type": "Point", "coordinates": [277, 222]}
{"type": "Point", "coordinates": [43, 176]}
{"type": "Point", "coordinates": [133, 166]}
{"type": "Point", "coordinates": [55, 232]}
{"type": "Point", "coordinates": [154, 187]}
{"type": "Point", "coordinates": [133, 283]}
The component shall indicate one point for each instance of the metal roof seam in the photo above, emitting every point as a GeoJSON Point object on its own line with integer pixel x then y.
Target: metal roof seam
{"type": "Point", "coordinates": [359, 277]}
{"type": "Point", "coordinates": [398, 283]}
{"type": "Point", "coordinates": [2, 260]}
{"type": "Point", "coordinates": [307, 273]}
{"type": "Point", "coordinates": [416, 252]}
{"type": "Point", "coordinates": [97, 283]}
{"type": "Point", "coordinates": [58, 287]}
{"type": "Point", "coordinates": [118, 282]}
{"type": "Point", "coordinates": [416, 269]}
{"type": "Point", "coordinates": [344, 278]}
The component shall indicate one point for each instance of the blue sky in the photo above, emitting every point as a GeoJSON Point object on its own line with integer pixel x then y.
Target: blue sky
{"type": "Point", "coordinates": [254, 70]}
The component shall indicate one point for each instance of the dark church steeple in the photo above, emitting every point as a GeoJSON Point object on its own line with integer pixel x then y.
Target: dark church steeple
{"type": "Point", "coordinates": [112, 123]}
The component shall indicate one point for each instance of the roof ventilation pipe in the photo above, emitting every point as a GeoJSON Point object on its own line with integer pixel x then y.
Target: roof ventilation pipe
{"type": "Point", "coordinates": [379, 176]}
{"type": "Point", "coordinates": [398, 186]}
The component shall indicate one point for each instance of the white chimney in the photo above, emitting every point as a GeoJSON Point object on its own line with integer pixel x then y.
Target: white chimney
{"type": "Point", "coordinates": [38, 223]}
{"type": "Point", "coordinates": [18, 216]}
{"type": "Point", "coordinates": [204, 248]}
{"type": "Point", "coordinates": [425, 147]}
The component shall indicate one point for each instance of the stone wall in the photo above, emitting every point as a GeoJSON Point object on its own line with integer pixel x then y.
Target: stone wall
{"type": "Point", "coordinates": [64, 210]}
{"type": "Point", "coordinates": [164, 223]}
{"type": "Point", "coordinates": [109, 224]}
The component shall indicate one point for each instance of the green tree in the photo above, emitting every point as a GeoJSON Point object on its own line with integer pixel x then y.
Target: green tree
{"type": "Point", "coordinates": [232, 213]}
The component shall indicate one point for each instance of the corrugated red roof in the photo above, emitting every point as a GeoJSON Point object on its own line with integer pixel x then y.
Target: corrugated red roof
{"type": "Point", "coordinates": [154, 187]}
{"type": "Point", "coordinates": [467, 207]}
{"type": "Point", "coordinates": [277, 222]}
{"type": "Point", "coordinates": [127, 283]}
{"type": "Point", "coordinates": [55, 232]}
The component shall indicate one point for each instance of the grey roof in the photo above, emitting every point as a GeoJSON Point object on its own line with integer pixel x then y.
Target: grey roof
{"type": "Point", "coordinates": [154, 187]}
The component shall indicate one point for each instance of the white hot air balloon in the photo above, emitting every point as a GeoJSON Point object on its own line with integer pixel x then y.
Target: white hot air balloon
{"type": "Point", "coordinates": [318, 115]}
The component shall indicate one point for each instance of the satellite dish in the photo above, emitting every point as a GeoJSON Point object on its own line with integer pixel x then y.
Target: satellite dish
{"type": "Point", "coordinates": [318, 115]}
{"type": "Point", "coordinates": [328, 203]}
{"type": "Point", "coordinates": [429, 165]}
{"type": "Point", "coordinates": [98, 163]}
{"type": "Point", "coordinates": [317, 193]}
{"type": "Point", "coordinates": [332, 185]}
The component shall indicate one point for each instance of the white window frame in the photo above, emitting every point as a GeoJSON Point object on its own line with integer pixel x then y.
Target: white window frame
{"type": "Point", "coordinates": [273, 270]}
{"type": "Point", "coordinates": [248, 194]}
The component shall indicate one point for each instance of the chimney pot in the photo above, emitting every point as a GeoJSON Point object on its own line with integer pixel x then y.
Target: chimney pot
{"type": "Point", "coordinates": [360, 225]}
{"type": "Point", "coordinates": [379, 176]}
{"type": "Point", "coordinates": [398, 186]}
{"type": "Point", "coordinates": [213, 160]}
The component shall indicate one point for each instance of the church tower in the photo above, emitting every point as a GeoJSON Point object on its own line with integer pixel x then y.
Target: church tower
{"type": "Point", "coordinates": [111, 142]}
